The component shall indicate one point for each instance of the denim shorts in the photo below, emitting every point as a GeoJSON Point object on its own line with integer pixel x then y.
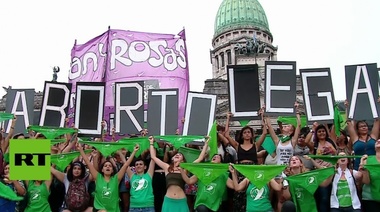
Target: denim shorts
{"type": "Point", "coordinates": [151, 209]}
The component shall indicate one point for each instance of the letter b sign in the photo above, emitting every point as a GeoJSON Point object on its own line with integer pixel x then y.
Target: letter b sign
{"type": "Point", "coordinates": [29, 159]}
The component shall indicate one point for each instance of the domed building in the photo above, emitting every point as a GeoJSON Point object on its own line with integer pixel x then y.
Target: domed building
{"type": "Point", "coordinates": [237, 24]}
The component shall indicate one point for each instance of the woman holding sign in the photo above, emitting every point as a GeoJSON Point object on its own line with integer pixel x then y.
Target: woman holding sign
{"type": "Point", "coordinates": [363, 141]}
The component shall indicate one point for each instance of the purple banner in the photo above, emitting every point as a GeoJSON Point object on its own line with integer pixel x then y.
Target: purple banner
{"type": "Point", "coordinates": [160, 60]}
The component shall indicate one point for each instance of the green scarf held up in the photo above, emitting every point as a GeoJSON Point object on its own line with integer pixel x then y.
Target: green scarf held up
{"type": "Point", "coordinates": [7, 193]}
{"type": "Point", "coordinates": [130, 143]}
{"type": "Point", "coordinates": [190, 154]}
{"type": "Point", "coordinates": [6, 116]}
{"type": "Point", "coordinates": [259, 175]}
{"type": "Point", "coordinates": [333, 158]}
{"type": "Point", "coordinates": [57, 141]}
{"type": "Point", "coordinates": [213, 142]}
{"type": "Point", "coordinates": [374, 173]}
{"type": "Point", "coordinates": [302, 187]}
{"type": "Point", "coordinates": [338, 120]}
{"type": "Point", "coordinates": [206, 172]}
{"type": "Point", "coordinates": [179, 140]}
{"type": "Point", "coordinates": [268, 144]}
{"type": "Point", "coordinates": [106, 148]}
{"type": "Point", "coordinates": [52, 132]}
{"type": "Point", "coordinates": [62, 160]}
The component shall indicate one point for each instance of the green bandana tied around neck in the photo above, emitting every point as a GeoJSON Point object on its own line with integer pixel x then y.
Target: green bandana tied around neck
{"type": "Point", "coordinates": [213, 142]}
{"type": "Point", "coordinates": [333, 158]}
{"type": "Point", "coordinates": [259, 175]}
{"type": "Point", "coordinates": [285, 138]}
{"type": "Point", "coordinates": [106, 148]}
{"type": "Point", "coordinates": [206, 172]}
{"type": "Point", "coordinates": [374, 173]}
{"type": "Point", "coordinates": [190, 154]}
{"type": "Point", "coordinates": [302, 187]}
{"type": "Point", "coordinates": [6, 116]}
{"type": "Point", "coordinates": [52, 132]}
{"type": "Point", "coordinates": [62, 160]}
{"type": "Point", "coordinates": [7, 193]}
{"type": "Point", "coordinates": [179, 140]}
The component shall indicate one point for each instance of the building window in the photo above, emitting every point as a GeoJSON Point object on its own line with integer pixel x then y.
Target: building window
{"type": "Point", "coordinates": [222, 59]}
{"type": "Point", "coordinates": [216, 62]}
{"type": "Point", "coordinates": [229, 59]}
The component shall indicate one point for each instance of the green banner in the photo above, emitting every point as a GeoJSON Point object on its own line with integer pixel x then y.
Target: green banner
{"type": "Point", "coordinates": [259, 175]}
{"type": "Point", "coordinates": [206, 172]}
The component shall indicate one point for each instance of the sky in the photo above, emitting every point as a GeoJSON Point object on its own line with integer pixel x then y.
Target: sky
{"type": "Point", "coordinates": [38, 35]}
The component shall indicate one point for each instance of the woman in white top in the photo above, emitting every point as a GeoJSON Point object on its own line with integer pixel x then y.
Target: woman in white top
{"type": "Point", "coordinates": [344, 196]}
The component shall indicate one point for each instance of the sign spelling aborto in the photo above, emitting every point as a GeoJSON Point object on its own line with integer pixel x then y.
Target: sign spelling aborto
{"type": "Point", "coordinates": [55, 104]}
{"type": "Point", "coordinates": [129, 107]}
{"type": "Point", "coordinates": [89, 108]}
{"type": "Point", "coordinates": [199, 113]}
{"type": "Point", "coordinates": [20, 102]}
{"type": "Point", "coordinates": [163, 111]}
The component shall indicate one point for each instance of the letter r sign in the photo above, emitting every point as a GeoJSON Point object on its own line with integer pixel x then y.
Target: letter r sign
{"type": "Point", "coordinates": [29, 159]}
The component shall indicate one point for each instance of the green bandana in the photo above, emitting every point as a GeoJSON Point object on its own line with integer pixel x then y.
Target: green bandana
{"type": "Point", "coordinates": [259, 175]}
{"type": "Point", "coordinates": [62, 160]}
{"type": "Point", "coordinates": [285, 138]}
{"type": "Point", "coordinates": [374, 173]}
{"type": "Point", "coordinates": [6, 116]}
{"type": "Point", "coordinates": [333, 158]}
{"type": "Point", "coordinates": [292, 120]}
{"type": "Point", "coordinates": [52, 132]}
{"type": "Point", "coordinates": [106, 148]}
{"type": "Point", "coordinates": [244, 123]}
{"type": "Point", "coordinates": [268, 144]}
{"type": "Point", "coordinates": [57, 141]}
{"type": "Point", "coordinates": [6, 157]}
{"type": "Point", "coordinates": [206, 172]}
{"type": "Point", "coordinates": [190, 154]}
{"type": "Point", "coordinates": [302, 187]}
{"type": "Point", "coordinates": [213, 142]}
{"type": "Point", "coordinates": [130, 143]}
{"type": "Point", "coordinates": [7, 193]}
{"type": "Point", "coordinates": [179, 140]}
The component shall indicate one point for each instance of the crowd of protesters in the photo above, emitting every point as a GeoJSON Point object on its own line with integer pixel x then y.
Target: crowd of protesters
{"type": "Point", "coordinates": [155, 181]}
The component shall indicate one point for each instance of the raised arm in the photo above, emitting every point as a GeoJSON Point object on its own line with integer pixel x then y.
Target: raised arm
{"type": "Point", "coordinates": [90, 166]}
{"type": "Point", "coordinates": [261, 139]}
{"type": "Point", "coordinates": [275, 185]}
{"type": "Point", "coordinates": [152, 150]}
{"type": "Point", "coordinates": [188, 180]}
{"type": "Point", "coordinates": [59, 175]}
{"type": "Point", "coordinates": [350, 125]}
{"type": "Point", "coordinates": [227, 132]}
{"type": "Point", "coordinates": [238, 186]}
{"type": "Point", "coordinates": [298, 127]}
{"type": "Point", "coordinates": [5, 143]}
{"type": "Point", "coordinates": [271, 131]}
{"type": "Point", "coordinates": [203, 152]}
{"type": "Point", "coordinates": [365, 174]}
{"type": "Point", "coordinates": [152, 164]}
{"type": "Point", "coordinates": [121, 172]}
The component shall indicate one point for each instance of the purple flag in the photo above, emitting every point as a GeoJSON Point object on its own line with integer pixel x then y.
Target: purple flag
{"type": "Point", "coordinates": [160, 60]}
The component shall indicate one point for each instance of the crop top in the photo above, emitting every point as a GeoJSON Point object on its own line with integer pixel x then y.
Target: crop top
{"type": "Point", "coordinates": [175, 179]}
{"type": "Point", "coordinates": [250, 154]}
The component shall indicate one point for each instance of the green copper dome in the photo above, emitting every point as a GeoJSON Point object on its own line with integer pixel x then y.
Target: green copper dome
{"type": "Point", "coordinates": [234, 14]}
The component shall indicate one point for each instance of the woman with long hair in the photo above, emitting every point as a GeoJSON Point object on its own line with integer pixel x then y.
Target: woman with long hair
{"type": "Point", "coordinates": [75, 173]}
{"type": "Point", "coordinates": [363, 141]}
{"type": "Point", "coordinates": [17, 186]}
{"type": "Point", "coordinates": [107, 182]}
{"type": "Point", "coordinates": [175, 197]}
{"type": "Point", "coordinates": [38, 192]}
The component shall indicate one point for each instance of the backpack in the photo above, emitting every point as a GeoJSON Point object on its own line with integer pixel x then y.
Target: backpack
{"type": "Point", "coordinates": [77, 197]}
